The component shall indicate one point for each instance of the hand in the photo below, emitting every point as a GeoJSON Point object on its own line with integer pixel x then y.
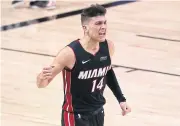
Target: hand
{"type": "Point", "coordinates": [46, 73]}
{"type": "Point", "coordinates": [125, 108]}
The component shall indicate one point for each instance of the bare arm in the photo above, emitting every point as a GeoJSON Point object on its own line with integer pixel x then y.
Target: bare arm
{"type": "Point", "coordinates": [111, 48]}
{"type": "Point", "coordinates": [114, 86]}
{"type": "Point", "coordinates": [112, 80]}
{"type": "Point", "coordinates": [65, 58]}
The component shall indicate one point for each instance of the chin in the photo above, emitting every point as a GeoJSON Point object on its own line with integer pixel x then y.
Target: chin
{"type": "Point", "coordinates": [99, 39]}
{"type": "Point", "coordinates": [102, 39]}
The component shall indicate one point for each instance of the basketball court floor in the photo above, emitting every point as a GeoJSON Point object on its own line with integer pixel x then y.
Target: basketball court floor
{"type": "Point", "coordinates": [146, 35]}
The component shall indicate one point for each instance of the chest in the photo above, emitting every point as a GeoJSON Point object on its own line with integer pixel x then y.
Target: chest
{"type": "Point", "coordinates": [87, 62]}
{"type": "Point", "coordinates": [88, 67]}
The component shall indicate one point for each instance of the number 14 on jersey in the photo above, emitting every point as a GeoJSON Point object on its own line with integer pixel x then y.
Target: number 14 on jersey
{"type": "Point", "coordinates": [97, 85]}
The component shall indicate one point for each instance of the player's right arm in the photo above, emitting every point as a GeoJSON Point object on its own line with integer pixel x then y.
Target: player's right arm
{"type": "Point", "coordinates": [65, 58]}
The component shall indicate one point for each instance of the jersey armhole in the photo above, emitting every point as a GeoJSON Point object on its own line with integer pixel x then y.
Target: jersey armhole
{"type": "Point", "coordinates": [68, 69]}
{"type": "Point", "coordinates": [107, 46]}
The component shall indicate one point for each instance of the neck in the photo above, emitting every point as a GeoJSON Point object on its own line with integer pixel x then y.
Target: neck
{"type": "Point", "coordinates": [89, 44]}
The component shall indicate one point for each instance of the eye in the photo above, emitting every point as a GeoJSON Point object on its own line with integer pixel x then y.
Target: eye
{"type": "Point", "coordinates": [99, 23]}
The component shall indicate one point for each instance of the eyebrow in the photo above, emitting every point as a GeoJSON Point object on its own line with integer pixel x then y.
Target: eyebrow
{"type": "Point", "coordinates": [101, 21]}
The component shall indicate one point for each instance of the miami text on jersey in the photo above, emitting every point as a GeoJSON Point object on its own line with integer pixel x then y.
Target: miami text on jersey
{"type": "Point", "coordinates": [100, 72]}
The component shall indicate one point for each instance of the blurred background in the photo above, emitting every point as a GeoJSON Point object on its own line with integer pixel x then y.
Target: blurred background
{"type": "Point", "coordinates": [146, 35]}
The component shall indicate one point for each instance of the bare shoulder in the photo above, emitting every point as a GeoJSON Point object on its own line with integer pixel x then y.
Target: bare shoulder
{"type": "Point", "coordinates": [65, 57]}
{"type": "Point", "coordinates": [66, 52]}
{"type": "Point", "coordinates": [111, 47]}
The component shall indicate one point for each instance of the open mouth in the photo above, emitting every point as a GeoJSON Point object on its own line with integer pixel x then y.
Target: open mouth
{"type": "Point", "coordinates": [102, 34]}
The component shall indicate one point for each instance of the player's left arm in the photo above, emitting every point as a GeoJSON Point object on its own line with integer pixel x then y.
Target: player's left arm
{"type": "Point", "coordinates": [114, 85]}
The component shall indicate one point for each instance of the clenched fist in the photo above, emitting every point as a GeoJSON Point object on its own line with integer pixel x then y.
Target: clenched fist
{"type": "Point", "coordinates": [125, 108]}
{"type": "Point", "coordinates": [46, 73]}
{"type": "Point", "coordinates": [44, 78]}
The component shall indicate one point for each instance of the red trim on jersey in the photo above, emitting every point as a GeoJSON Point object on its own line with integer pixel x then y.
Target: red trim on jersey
{"type": "Point", "coordinates": [64, 86]}
{"type": "Point", "coordinates": [69, 119]}
{"type": "Point", "coordinates": [66, 119]}
{"type": "Point", "coordinates": [67, 89]}
{"type": "Point", "coordinates": [72, 120]}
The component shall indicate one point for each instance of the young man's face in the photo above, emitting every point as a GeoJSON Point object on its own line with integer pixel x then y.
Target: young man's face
{"type": "Point", "coordinates": [97, 28]}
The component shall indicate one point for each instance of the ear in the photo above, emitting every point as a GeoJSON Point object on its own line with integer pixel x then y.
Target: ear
{"type": "Point", "coordinates": [85, 28]}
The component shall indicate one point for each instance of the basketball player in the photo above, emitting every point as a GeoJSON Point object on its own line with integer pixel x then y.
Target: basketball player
{"type": "Point", "coordinates": [86, 67]}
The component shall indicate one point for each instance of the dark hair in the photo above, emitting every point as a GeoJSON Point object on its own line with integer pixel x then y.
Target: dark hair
{"type": "Point", "coordinates": [92, 11]}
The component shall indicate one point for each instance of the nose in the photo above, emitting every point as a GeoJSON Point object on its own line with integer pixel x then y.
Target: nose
{"type": "Point", "coordinates": [103, 26]}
